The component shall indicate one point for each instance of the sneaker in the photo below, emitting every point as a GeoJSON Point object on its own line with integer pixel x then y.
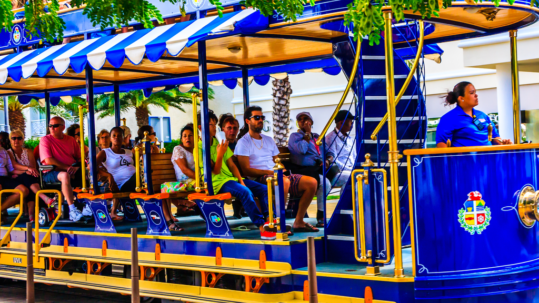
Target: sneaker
{"type": "Point", "coordinates": [87, 211]}
{"type": "Point", "coordinates": [75, 215]}
{"type": "Point", "coordinates": [269, 229]}
{"type": "Point", "coordinates": [268, 235]}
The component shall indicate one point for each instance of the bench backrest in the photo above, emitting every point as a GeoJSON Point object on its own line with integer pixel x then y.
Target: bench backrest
{"type": "Point", "coordinates": [162, 170]}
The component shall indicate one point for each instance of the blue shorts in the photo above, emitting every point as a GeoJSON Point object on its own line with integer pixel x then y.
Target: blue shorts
{"type": "Point", "coordinates": [51, 177]}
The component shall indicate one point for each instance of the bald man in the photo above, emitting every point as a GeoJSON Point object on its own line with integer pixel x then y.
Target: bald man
{"type": "Point", "coordinates": [63, 152]}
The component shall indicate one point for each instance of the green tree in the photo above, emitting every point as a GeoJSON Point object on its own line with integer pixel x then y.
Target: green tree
{"type": "Point", "coordinates": [135, 99]}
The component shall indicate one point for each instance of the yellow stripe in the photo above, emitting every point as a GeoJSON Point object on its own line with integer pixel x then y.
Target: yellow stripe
{"type": "Point", "coordinates": [355, 277]}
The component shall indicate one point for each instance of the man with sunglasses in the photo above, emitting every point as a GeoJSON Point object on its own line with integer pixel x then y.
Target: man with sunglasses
{"type": "Point", "coordinates": [256, 154]}
{"type": "Point", "coordinates": [63, 152]}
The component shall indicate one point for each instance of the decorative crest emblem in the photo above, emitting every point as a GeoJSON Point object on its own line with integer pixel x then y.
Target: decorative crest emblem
{"type": "Point", "coordinates": [475, 216]}
{"type": "Point", "coordinates": [16, 35]}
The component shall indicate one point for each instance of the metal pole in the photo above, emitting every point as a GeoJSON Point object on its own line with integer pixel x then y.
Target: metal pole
{"type": "Point", "coordinates": [205, 119]}
{"type": "Point", "coordinates": [6, 113]}
{"type": "Point", "coordinates": [117, 118]}
{"type": "Point", "coordinates": [135, 291]}
{"type": "Point", "coordinates": [515, 86]}
{"type": "Point", "coordinates": [47, 109]}
{"type": "Point", "coordinates": [245, 80]}
{"type": "Point", "coordinates": [91, 127]}
{"type": "Point", "coordinates": [313, 287]}
{"type": "Point", "coordinates": [393, 153]}
{"type": "Point", "coordinates": [30, 294]}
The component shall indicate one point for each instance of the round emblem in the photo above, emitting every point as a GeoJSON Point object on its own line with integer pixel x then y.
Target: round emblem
{"type": "Point", "coordinates": [16, 34]}
{"type": "Point", "coordinates": [197, 3]}
{"type": "Point", "coordinates": [129, 207]}
{"type": "Point", "coordinates": [215, 219]}
{"type": "Point", "coordinates": [156, 219]}
{"type": "Point", "coordinates": [474, 217]}
{"type": "Point", "coordinates": [101, 216]}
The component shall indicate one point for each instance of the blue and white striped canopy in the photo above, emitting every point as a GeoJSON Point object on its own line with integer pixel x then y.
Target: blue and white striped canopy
{"type": "Point", "coordinates": [151, 43]}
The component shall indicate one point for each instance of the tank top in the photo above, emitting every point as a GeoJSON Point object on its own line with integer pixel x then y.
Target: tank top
{"type": "Point", "coordinates": [120, 166]}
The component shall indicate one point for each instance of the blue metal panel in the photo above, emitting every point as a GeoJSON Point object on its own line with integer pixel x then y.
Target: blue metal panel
{"type": "Point", "coordinates": [205, 123]}
{"type": "Point", "coordinates": [153, 208]}
{"type": "Point", "coordinates": [91, 129]}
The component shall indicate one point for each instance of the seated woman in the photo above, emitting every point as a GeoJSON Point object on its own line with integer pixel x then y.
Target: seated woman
{"type": "Point", "coordinates": [74, 131]}
{"type": "Point", "coordinates": [103, 140]}
{"type": "Point", "coordinates": [464, 125]}
{"type": "Point", "coordinates": [25, 171]}
{"type": "Point", "coordinates": [6, 182]}
{"type": "Point", "coordinates": [184, 166]}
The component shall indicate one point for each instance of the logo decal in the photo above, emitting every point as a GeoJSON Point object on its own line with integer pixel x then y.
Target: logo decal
{"type": "Point", "coordinates": [216, 219]}
{"type": "Point", "coordinates": [197, 3]}
{"type": "Point", "coordinates": [124, 162]}
{"type": "Point", "coordinates": [475, 216]}
{"type": "Point", "coordinates": [17, 260]}
{"type": "Point", "coordinates": [129, 207]}
{"type": "Point", "coordinates": [101, 215]}
{"type": "Point", "coordinates": [17, 35]}
{"type": "Point", "coordinates": [155, 217]}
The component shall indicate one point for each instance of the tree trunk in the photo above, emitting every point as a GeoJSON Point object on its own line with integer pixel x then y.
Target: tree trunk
{"type": "Point", "coordinates": [142, 114]}
{"type": "Point", "coordinates": [16, 120]}
{"type": "Point", "coordinates": [281, 111]}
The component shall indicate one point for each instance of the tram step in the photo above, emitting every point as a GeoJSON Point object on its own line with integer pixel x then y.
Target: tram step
{"type": "Point", "coordinates": [183, 293]}
{"type": "Point", "coordinates": [187, 262]}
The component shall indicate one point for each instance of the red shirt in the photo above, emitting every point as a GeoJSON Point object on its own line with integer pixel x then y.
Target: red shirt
{"type": "Point", "coordinates": [65, 150]}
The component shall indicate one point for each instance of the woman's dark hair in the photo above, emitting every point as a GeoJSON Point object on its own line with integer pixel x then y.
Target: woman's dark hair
{"type": "Point", "coordinates": [458, 91]}
{"type": "Point", "coordinates": [4, 140]}
{"type": "Point", "coordinates": [211, 115]}
{"type": "Point", "coordinates": [227, 118]}
{"type": "Point", "coordinates": [117, 129]}
{"type": "Point", "coordinates": [188, 126]}
{"type": "Point", "coordinates": [140, 133]}
{"type": "Point", "coordinates": [71, 129]}
{"type": "Point", "coordinates": [247, 115]}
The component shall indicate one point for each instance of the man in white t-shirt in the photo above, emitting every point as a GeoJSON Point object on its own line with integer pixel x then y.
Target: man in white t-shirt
{"type": "Point", "coordinates": [256, 155]}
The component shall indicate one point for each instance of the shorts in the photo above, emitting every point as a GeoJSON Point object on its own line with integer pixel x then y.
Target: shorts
{"type": "Point", "coordinates": [130, 185]}
{"type": "Point", "coordinates": [180, 186]}
{"type": "Point", "coordinates": [52, 177]}
{"type": "Point", "coordinates": [294, 183]}
{"type": "Point", "coordinates": [27, 180]}
{"type": "Point", "coordinates": [9, 183]}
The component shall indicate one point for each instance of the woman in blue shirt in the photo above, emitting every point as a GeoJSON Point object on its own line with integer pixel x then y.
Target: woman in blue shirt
{"type": "Point", "coordinates": [465, 126]}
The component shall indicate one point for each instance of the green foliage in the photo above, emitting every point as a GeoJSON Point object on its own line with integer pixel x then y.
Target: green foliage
{"type": "Point", "coordinates": [49, 25]}
{"type": "Point", "coordinates": [289, 9]}
{"type": "Point", "coordinates": [169, 147]}
{"type": "Point", "coordinates": [31, 143]}
{"type": "Point", "coordinates": [6, 15]}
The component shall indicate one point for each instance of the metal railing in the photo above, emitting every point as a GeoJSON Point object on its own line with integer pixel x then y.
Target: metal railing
{"type": "Point", "coordinates": [38, 244]}
{"type": "Point", "coordinates": [21, 209]}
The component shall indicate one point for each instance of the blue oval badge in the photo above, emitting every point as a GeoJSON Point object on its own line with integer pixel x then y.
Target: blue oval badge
{"type": "Point", "coordinates": [155, 217]}
{"type": "Point", "coordinates": [215, 219]}
{"type": "Point", "coordinates": [101, 216]}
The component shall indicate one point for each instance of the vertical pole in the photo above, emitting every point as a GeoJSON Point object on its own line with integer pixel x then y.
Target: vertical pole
{"type": "Point", "coordinates": [279, 194]}
{"type": "Point", "coordinates": [135, 293]}
{"type": "Point", "coordinates": [515, 86]}
{"type": "Point", "coordinates": [245, 80]}
{"type": "Point", "coordinates": [6, 113]}
{"type": "Point", "coordinates": [91, 127]}
{"type": "Point", "coordinates": [313, 287]}
{"type": "Point", "coordinates": [195, 97]}
{"type": "Point", "coordinates": [30, 294]}
{"type": "Point", "coordinates": [47, 111]}
{"type": "Point", "coordinates": [393, 153]}
{"type": "Point", "coordinates": [324, 197]}
{"type": "Point", "coordinates": [117, 118]}
{"type": "Point", "coordinates": [205, 119]}
{"type": "Point", "coordinates": [82, 151]}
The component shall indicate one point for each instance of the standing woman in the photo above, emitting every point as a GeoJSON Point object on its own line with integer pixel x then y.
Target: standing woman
{"type": "Point", "coordinates": [25, 171]}
{"type": "Point", "coordinates": [464, 125]}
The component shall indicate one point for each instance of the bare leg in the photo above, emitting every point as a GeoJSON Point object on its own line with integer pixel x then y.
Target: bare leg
{"type": "Point", "coordinates": [35, 188]}
{"type": "Point", "coordinates": [115, 204]}
{"type": "Point", "coordinates": [14, 199]}
{"type": "Point", "coordinates": [65, 178]}
{"type": "Point", "coordinates": [307, 186]}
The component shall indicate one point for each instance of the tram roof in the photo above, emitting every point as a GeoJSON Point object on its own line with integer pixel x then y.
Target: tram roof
{"type": "Point", "coordinates": [239, 39]}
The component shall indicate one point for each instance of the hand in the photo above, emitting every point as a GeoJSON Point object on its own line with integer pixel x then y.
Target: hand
{"type": "Point", "coordinates": [112, 184]}
{"type": "Point", "coordinates": [506, 142]}
{"type": "Point", "coordinates": [327, 163]}
{"type": "Point", "coordinates": [72, 170]}
{"type": "Point", "coordinates": [14, 176]}
{"type": "Point", "coordinates": [103, 178]}
{"type": "Point", "coordinates": [308, 126]}
{"type": "Point", "coordinates": [32, 171]}
{"type": "Point", "coordinates": [222, 148]}
{"type": "Point", "coordinates": [241, 182]}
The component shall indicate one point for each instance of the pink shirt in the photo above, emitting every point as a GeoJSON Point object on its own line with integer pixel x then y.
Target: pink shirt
{"type": "Point", "coordinates": [66, 150]}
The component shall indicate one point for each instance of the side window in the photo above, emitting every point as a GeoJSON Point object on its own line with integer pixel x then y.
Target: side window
{"type": "Point", "coordinates": [162, 128]}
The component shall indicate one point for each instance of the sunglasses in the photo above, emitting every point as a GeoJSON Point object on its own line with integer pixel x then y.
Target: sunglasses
{"type": "Point", "coordinates": [257, 117]}
{"type": "Point", "coordinates": [152, 134]}
{"type": "Point", "coordinates": [77, 134]}
{"type": "Point", "coordinates": [477, 123]}
{"type": "Point", "coordinates": [16, 138]}
{"type": "Point", "coordinates": [55, 125]}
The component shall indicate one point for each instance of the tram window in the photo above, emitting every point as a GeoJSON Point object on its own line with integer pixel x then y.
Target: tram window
{"type": "Point", "coordinates": [161, 126]}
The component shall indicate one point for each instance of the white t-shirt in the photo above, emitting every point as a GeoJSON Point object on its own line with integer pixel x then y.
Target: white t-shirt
{"type": "Point", "coordinates": [260, 152]}
{"type": "Point", "coordinates": [180, 153]}
{"type": "Point", "coordinates": [120, 166]}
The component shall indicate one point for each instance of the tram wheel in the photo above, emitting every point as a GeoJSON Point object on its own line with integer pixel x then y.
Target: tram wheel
{"type": "Point", "coordinates": [43, 217]}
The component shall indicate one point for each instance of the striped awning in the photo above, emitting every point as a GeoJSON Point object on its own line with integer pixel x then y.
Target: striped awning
{"type": "Point", "coordinates": [134, 46]}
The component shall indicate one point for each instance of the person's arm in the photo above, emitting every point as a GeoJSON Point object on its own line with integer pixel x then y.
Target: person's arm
{"type": "Point", "coordinates": [251, 172]}
{"type": "Point", "coordinates": [330, 148]}
{"type": "Point", "coordinates": [444, 133]}
{"type": "Point", "coordinates": [9, 164]}
{"type": "Point", "coordinates": [101, 171]}
{"type": "Point", "coordinates": [297, 144]}
{"type": "Point", "coordinates": [496, 139]}
{"type": "Point", "coordinates": [234, 170]}
{"type": "Point", "coordinates": [221, 150]}
{"type": "Point", "coordinates": [18, 168]}
{"type": "Point", "coordinates": [182, 164]}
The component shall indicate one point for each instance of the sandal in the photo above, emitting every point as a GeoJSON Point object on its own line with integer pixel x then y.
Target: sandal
{"type": "Point", "coordinates": [172, 226]}
{"type": "Point", "coordinates": [51, 201]}
{"type": "Point", "coordinates": [115, 217]}
{"type": "Point", "coordinates": [308, 228]}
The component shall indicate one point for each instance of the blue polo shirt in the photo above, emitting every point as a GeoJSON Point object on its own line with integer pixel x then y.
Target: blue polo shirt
{"type": "Point", "coordinates": [459, 127]}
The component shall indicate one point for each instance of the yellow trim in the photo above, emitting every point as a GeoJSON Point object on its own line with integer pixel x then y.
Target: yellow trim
{"type": "Point", "coordinates": [411, 211]}
{"type": "Point", "coordinates": [8, 259]}
{"type": "Point", "coordinates": [195, 239]}
{"type": "Point", "coordinates": [38, 244]}
{"type": "Point", "coordinates": [468, 149]}
{"type": "Point", "coordinates": [356, 277]}
{"type": "Point", "coordinates": [21, 208]}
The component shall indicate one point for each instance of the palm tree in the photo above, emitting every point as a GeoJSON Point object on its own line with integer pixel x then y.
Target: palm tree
{"type": "Point", "coordinates": [281, 111]}
{"type": "Point", "coordinates": [16, 117]}
{"type": "Point", "coordinates": [136, 99]}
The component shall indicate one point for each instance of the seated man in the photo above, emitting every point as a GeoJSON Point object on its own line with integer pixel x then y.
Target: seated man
{"type": "Point", "coordinates": [256, 154]}
{"type": "Point", "coordinates": [63, 152]}
{"type": "Point", "coordinates": [306, 159]}
{"type": "Point", "coordinates": [226, 178]}
{"type": "Point", "coordinates": [341, 146]}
